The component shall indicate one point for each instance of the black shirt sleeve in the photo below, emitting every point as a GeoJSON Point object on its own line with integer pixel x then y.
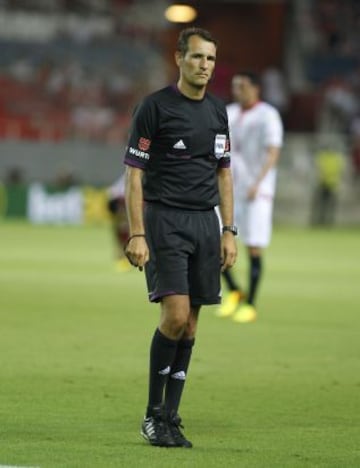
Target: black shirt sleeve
{"type": "Point", "coordinates": [224, 162]}
{"type": "Point", "coordinates": [143, 129]}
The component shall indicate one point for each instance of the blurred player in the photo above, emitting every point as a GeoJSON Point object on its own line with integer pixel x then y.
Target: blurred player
{"type": "Point", "coordinates": [256, 135]}
{"type": "Point", "coordinates": [119, 224]}
{"type": "Point", "coordinates": [330, 167]}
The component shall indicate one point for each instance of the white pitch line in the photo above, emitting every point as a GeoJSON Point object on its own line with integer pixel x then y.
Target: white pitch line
{"type": "Point", "coordinates": [17, 466]}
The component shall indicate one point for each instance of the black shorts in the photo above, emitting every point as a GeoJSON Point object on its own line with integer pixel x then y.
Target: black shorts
{"type": "Point", "coordinates": [184, 254]}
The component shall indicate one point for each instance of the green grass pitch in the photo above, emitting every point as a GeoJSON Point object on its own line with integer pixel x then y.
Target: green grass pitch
{"type": "Point", "coordinates": [74, 336]}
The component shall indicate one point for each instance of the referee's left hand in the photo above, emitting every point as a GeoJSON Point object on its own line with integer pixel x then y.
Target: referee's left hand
{"type": "Point", "coordinates": [228, 250]}
{"type": "Point", "coordinates": [137, 252]}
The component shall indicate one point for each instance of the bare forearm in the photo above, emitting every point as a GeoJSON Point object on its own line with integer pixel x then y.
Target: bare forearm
{"type": "Point", "coordinates": [226, 196]}
{"type": "Point", "coordinates": [228, 248]}
{"type": "Point", "coordinates": [134, 200]}
{"type": "Point", "coordinates": [271, 161]}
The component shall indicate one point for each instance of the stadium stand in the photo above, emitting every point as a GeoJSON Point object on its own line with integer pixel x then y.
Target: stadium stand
{"type": "Point", "coordinates": [81, 80]}
{"type": "Point", "coordinates": [327, 46]}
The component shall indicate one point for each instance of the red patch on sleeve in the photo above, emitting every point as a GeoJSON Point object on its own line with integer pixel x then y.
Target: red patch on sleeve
{"type": "Point", "coordinates": [144, 144]}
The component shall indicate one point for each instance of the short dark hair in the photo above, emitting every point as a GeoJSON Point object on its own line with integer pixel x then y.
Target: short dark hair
{"type": "Point", "coordinates": [183, 40]}
{"type": "Point", "coordinates": [251, 75]}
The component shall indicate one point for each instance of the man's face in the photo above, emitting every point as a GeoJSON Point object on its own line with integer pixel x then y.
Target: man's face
{"type": "Point", "coordinates": [244, 91]}
{"type": "Point", "coordinates": [197, 65]}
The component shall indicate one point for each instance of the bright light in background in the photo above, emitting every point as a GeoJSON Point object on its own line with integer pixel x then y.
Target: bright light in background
{"type": "Point", "coordinates": [180, 13]}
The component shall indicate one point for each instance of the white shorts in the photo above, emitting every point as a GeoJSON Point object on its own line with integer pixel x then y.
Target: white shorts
{"type": "Point", "coordinates": [254, 220]}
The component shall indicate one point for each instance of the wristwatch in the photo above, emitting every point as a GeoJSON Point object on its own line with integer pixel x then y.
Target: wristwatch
{"type": "Point", "coordinates": [232, 229]}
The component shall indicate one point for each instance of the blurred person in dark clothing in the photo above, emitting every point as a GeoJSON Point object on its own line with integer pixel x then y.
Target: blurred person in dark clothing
{"type": "Point", "coordinates": [119, 224]}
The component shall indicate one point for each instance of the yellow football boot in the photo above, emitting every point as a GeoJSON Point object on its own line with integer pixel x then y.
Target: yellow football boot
{"type": "Point", "coordinates": [230, 304]}
{"type": "Point", "coordinates": [123, 265]}
{"type": "Point", "coordinates": [246, 313]}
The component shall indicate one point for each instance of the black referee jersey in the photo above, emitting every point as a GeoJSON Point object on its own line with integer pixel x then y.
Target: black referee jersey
{"type": "Point", "coordinates": [180, 143]}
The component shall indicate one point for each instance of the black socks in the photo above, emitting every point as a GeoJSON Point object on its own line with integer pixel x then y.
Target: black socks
{"type": "Point", "coordinates": [230, 282]}
{"type": "Point", "coordinates": [176, 382]}
{"type": "Point", "coordinates": [169, 362]}
{"type": "Point", "coordinates": [254, 277]}
{"type": "Point", "coordinates": [162, 355]}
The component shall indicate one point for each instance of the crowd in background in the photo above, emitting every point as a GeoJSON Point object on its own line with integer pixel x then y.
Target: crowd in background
{"type": "Point", "coordinates": [81, 85]}
{"type": "Point", "coordinates": [330, 38]}
{"type": "Point", "coordinates": [84, 83]}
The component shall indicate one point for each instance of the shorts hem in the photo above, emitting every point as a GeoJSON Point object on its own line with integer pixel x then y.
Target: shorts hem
{"type": "Point", "coordinates": [200, 302]}
{"type": "Point", "coordinates": [157, 297]}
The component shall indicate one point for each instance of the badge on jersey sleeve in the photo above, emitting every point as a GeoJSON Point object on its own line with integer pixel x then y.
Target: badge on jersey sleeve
{"type": "Point", "coordinates": [220, 146]}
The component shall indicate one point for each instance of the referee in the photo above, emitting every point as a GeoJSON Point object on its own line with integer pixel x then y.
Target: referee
{"type": "Point", "coordinates": [177, 171]}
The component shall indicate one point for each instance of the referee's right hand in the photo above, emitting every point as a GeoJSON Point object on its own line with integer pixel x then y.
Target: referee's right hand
{"type": "Point", "coordinates": [137, 251]}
